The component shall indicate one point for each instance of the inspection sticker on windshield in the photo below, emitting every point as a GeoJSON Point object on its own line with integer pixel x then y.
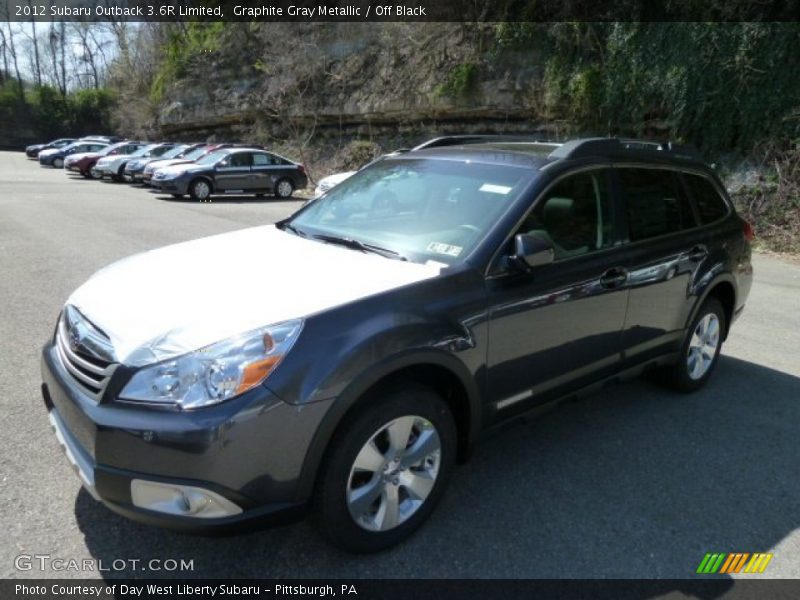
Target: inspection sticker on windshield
{"type": "Point", "coordinates": [495, 189]}
{"type": "Point", "coordinates": [440, 248]}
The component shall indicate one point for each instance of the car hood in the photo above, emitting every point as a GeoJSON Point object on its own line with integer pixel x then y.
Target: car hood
{"type": "Point", "coordinates": [49, 152]}
{"type": "Point", "coordinates": [109, 159]}
{"type": "Point", "coordinates": [181, 168]}
{"type": "Point", "coordinates": [81, 155]}
{"type": "Point", "coordinates": [166, 162]}
{"type": "Point", "coordinates": [176, 299]}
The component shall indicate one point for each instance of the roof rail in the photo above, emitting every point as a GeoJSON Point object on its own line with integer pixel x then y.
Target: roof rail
{"type": "Point", "coordinates": [458, 140]}
{"type": "Point", "coordinates": [615, 147]}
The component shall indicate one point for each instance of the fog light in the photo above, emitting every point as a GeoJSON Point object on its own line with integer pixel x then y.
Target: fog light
{"type": "Point", "coordinates": [183, 500]}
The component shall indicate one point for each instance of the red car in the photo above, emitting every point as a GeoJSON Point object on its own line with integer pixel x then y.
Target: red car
{"type": "Point", "coordinates": [83, 163]}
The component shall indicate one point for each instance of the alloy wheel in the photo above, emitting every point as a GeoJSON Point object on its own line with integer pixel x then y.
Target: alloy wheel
{"type": "Point", "coordinates": [703, 346]}
{"type": "Point", "coordinates": [201, 190]}
{"type": "Point", "coordinates": [394, 473]}
{"type": "Point", "coordinates": [285, 189]}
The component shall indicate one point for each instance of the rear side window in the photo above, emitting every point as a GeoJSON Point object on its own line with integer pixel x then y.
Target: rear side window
{"type": "Point", "coordinates": [710, 204]}
{"type": "Point", "coordinates": [655, 203]}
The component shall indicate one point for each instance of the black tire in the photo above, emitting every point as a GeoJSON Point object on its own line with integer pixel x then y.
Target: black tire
{"type": "Point", "coordinates": [196, 190]}
{"type": "Point", "coordinates": [58, 163]}
{"type": "Point", "coordinates": [679, 376]}
{"type": "Point", "coordinates": [119, 177]}
{"type": "Point", "coordinates": [86, 174]}
{"type": "Point", "coordinates": [260, 195]}
{"type": "Point", "coordinates": [331, 495]}
{"type": "Point", "coordinates": [284, 188]}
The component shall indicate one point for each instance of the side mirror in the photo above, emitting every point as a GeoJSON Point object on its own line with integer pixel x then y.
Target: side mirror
{"type": "Point", "coordinates": [532, 251]}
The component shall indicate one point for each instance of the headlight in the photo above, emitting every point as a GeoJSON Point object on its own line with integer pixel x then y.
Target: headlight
{"type": "Point", "coordinates": [217, 372]}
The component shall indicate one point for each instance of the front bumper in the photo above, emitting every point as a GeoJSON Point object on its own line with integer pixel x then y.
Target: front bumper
{"type": "Point", "coordinates": [132, 176]}
{"type": "Point", "coordinates": [179, 185]}
{"type": "Point", "coordinates": [249, 450]}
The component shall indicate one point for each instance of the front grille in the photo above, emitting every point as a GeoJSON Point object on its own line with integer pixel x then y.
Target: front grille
{"type": "Point", "coordinates": [90, 371]}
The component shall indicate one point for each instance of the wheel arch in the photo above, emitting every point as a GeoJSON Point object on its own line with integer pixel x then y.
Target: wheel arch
{"type": "Point", "coordinates": [723, 288]}
{"type": "Point", "coordinates": [442, 372]}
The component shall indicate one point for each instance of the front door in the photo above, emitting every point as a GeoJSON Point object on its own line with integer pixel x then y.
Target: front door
{"type": "Point", "coordinates": [232, 174]}
{"type": "Point", "coordinates": [559, 326]}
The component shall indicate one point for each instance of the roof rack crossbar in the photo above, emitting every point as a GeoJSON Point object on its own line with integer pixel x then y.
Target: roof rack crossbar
{"type": "Point", "coordinates": [616, 147]}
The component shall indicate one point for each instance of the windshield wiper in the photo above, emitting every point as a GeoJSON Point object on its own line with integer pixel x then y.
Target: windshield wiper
{"type": "Point", "coordinates": [283, 225]}
{"type": "Point", "coordinates": [359, 245]}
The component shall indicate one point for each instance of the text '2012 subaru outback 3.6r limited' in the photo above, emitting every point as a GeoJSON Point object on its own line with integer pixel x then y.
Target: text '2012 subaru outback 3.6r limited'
{"type": "Point", "coordinates": [345, 358]}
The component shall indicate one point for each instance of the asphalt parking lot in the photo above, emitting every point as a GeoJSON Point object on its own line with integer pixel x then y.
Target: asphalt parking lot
{"type": "Point", "coordinates": [633, 482]}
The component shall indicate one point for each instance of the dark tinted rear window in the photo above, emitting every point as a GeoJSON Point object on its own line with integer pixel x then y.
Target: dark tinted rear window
{"type": "Point", "coordinates": [655, 203]}
{"type": "Point", "coordinates": [709, 203]}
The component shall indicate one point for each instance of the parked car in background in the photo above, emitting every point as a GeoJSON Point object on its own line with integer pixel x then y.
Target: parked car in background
{"type": "Point", "coordinates": [54, 157]}
{"type": "Point", "coordinates": [114, 166]}
{"type": "Point", "coordinates": [326, 183]}
{"type": "Point", "coordinates": [33, 150]}
{"type": "Point", "coordinates": [84, 162]}
{"type": "Point", "coordinates": [134, 169]}
{"type": "Point", "coordinates": [233, 171]}
{"type": "Point", "coordinates": [345, 359]}
{"type": "Point", "coordinates": [199, 152]}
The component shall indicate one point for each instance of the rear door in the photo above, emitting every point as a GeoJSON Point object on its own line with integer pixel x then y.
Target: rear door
{"type": "Point", "coordinates": [664, 254]}
{"type": "Point", "coordinates": [263, 169]}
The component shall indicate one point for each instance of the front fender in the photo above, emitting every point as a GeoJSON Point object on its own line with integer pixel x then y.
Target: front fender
{"type": "Point", "coordinates": [369, 378]}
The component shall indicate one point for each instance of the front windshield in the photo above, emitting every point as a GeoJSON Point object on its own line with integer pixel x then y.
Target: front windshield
{"type": "Point", "coordinates": [144, 151]}
{"type": "Point", "coordinates": [195, 154]}
{"type": "Point", "coordinates": [210, 159]}
{"type": "Point", "coordinates": [422, 209]}
{"type": "Point", "coordinates": [174, 152]}
{"type": "Point", "coordinates": [107, 149]}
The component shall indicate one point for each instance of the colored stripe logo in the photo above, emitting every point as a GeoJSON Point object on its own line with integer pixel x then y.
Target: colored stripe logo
{"type": "Point", "coordinates": [734, 562]}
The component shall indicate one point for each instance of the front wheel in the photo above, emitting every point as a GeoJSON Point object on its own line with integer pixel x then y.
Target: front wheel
{"type": "Point", "coordinates": [386, 470]}
{"type": "Point", "coordinates": [700, 350]}
{"type": "Point", "coordinates": [58, 163]}
{"type": "Point", "coordinates": [284, 189]}
{"type": "Point", "coordinates": [200, 190]}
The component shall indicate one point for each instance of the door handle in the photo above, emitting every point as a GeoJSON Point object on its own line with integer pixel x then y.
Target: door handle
{"type": "Point", "coordinates": [614, 277]}
{"type": "Point", "coordinates": [698, 253]}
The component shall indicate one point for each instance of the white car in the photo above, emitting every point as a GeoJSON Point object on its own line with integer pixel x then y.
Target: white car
{"type": "Point", "coordinates": [330, 181]}
{"type": "Point", "coordinates": [113, 166]}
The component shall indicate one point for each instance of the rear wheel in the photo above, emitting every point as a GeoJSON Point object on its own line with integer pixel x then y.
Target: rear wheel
{"type": "Point", "coordinates": [284, 188]}
{"type": "Point", "coordinates": [700, 350]}
{"type": "Point", "coordinates": [386, 470]}
{"type": "Point", "coordinates": [200, 190]}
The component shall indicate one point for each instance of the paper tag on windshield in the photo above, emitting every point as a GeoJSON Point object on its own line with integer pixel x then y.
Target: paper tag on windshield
{"type": "Point", "coordinates": [495, 189]}
{"type": "Point", "coordinates": [448, 249]}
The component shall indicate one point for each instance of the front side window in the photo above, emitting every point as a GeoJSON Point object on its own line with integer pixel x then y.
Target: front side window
{"type": "Point", "coordinates": [654, 202]}
{"type": "Point", "coordinates": [423, 209]}
{"type": "Point", "coordinates": [710, 204]}
{"type": "Point", "coordinates": [574, 216]}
